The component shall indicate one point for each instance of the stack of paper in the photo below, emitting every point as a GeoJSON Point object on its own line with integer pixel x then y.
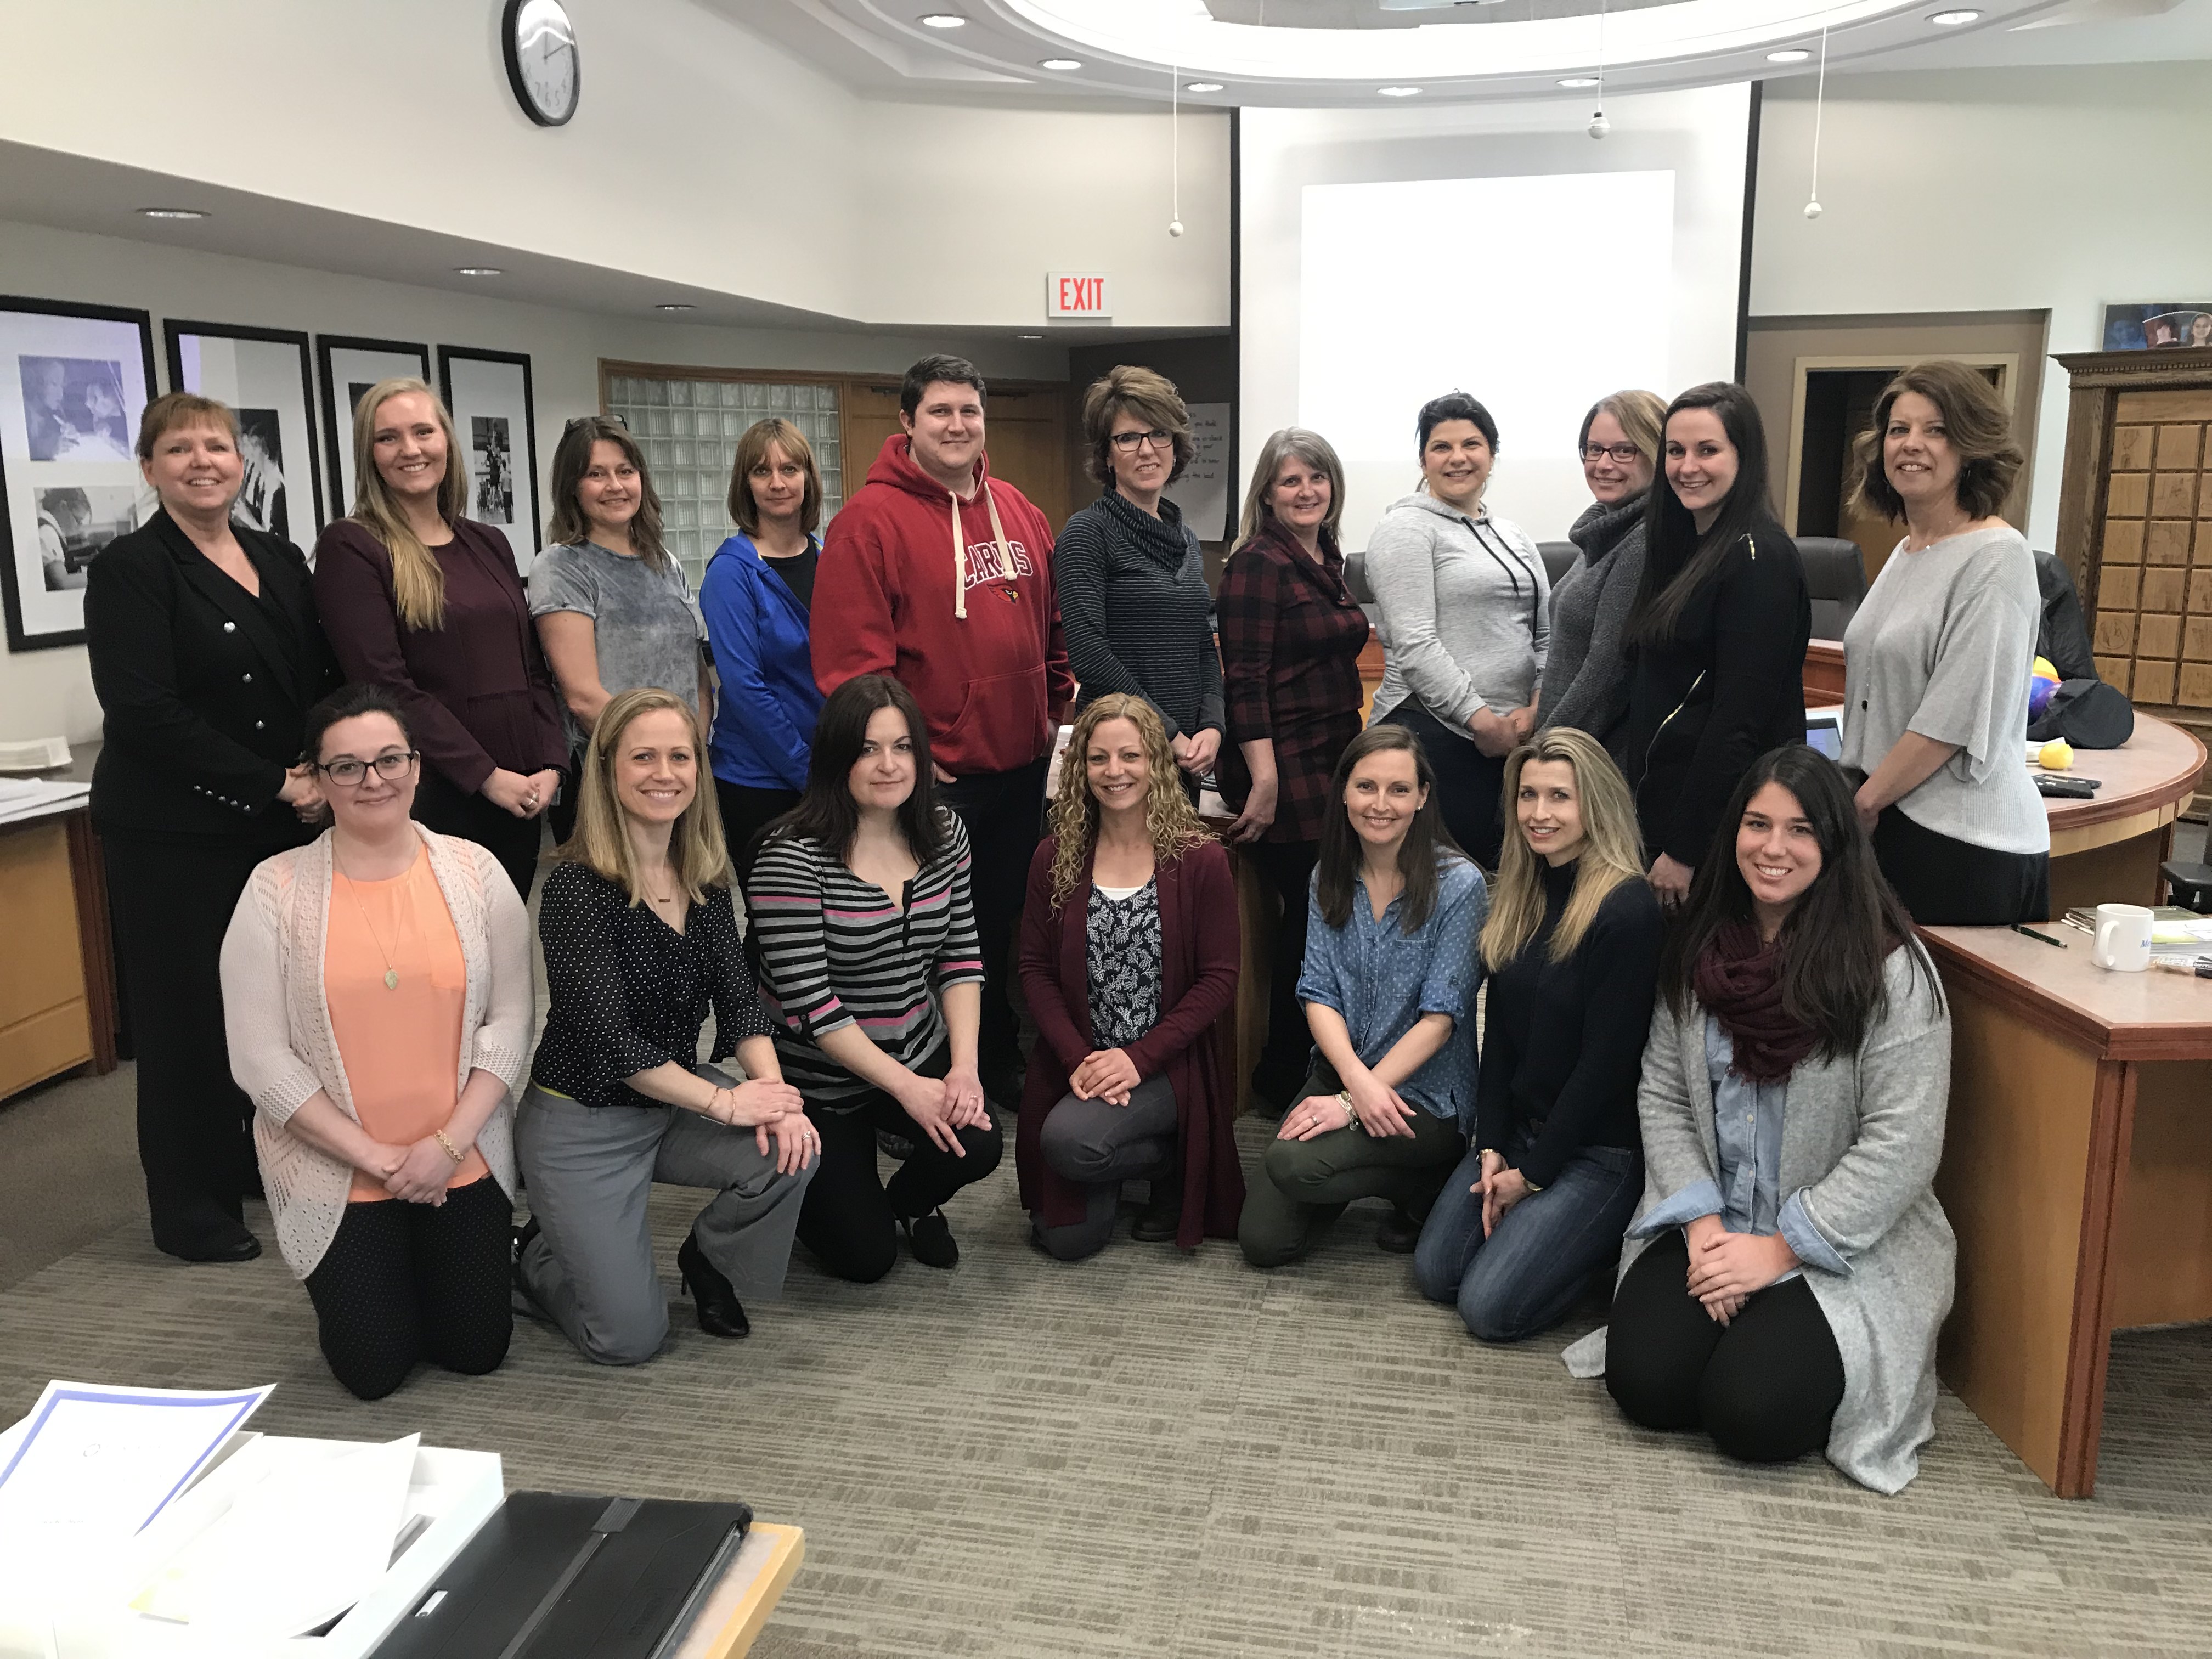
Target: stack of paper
{"type": "Point", "coordinates": [31, 797]}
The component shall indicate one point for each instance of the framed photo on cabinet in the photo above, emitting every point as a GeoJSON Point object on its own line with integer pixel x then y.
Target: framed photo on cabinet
{"type": "Point", "coordinates": [349, 367]}
{"type": "Point", "coordinates": [489, 395]}
{"type": "Point", "coordinates": [74, 381]}
{"type": "Point", "coordinates": [262, 374]}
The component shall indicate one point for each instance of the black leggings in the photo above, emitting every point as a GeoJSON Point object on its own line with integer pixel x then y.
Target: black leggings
{"type": "Point", "coordinates": [403, 1282]}
{"type": "Point", "coordinates": [1286, 867]}
{"type": "Point", "coordinates": [440, 805]}
{"type": "Point", "coordinates": [849, 1219]}
{"type": "Point", "coordinates": [1469, 782]}
{"type": "Point", "coordinates": [1764, 1386]}
{"type": "Point", "coordinates": [1944, 883]}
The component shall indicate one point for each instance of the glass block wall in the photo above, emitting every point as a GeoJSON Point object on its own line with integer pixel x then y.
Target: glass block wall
{"type": "Point", "coordinates": [688, 430]}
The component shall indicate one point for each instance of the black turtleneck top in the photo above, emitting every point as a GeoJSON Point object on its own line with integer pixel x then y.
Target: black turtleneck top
{"type": "Point", "coordinates": [1563, 1041]}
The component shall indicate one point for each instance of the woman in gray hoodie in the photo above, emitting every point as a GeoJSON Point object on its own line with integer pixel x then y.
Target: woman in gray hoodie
{"type": "Point", "coordinates": [1466, 620]}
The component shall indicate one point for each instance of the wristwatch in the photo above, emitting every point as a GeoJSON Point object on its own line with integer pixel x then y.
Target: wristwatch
{"type": "Point", "coordinates": [1345, 1094]}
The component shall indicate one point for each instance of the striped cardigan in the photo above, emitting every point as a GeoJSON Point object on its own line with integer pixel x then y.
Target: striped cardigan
{"type": "Point", "coordinates": [835, 951]}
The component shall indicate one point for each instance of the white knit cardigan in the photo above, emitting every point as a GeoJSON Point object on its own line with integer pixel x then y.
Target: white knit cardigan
{"type": "Point", "coordinates": [278, 1021]}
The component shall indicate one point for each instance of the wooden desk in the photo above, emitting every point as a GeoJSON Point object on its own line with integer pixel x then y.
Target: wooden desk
{"type": "Point", "coordinates": [57, 977]}
{"type": "Point", "coordinates": [730, 1623]}
{"type": "Point", "coordinates": [2077, 1173]}
{"type": "Point", "coordinates": [2107, 849]}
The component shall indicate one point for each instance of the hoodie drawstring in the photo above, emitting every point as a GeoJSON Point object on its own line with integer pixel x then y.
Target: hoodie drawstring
{"type": "Point", "coordinates": [960, 550]}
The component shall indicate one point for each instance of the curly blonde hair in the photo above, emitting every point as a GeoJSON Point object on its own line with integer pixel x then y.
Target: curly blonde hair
{"type": "Point", "coordinates": [1168, 819]}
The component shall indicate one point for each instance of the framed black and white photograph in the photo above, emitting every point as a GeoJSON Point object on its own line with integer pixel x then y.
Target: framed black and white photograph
{"type": "Point", "coordinates": [489, 395]}
{"type": "Point", "coordinates": [262, 374]}
{"type": "Point", "coordinates": [73, 380]}
{"type": "Point", "coordinates": [349, 367]}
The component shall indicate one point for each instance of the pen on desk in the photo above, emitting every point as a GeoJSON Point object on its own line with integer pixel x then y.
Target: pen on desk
{"type": "Point", "coordinates": [2032, 934]}
{"type": "Point", "coordinates": [2200, 966]}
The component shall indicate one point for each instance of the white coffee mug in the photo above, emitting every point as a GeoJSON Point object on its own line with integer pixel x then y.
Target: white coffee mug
{"type": "Point", "coordinates": [2122, 939]}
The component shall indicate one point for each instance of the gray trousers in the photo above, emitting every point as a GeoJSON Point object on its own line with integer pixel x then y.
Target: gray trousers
{"type": "Point", "coordinates": [589, 1171]}
{"type": "Point", "coordinates": [1099, 1146]}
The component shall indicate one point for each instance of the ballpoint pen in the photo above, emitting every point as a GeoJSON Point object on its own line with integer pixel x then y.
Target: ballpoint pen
{"type": "Point", "coordinates": [2018, 928]}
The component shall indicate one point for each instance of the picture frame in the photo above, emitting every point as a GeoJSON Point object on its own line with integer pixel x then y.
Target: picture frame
{"type": "Point", "coordinates": [75, 380]}
{"type": "Point", "coordinates": [494, 408]}
{"type": "Point", "coordinates": [2160, 326]}
{"type": "Point", "coordinates": [266, 376]}
{"type": "Point", "coordinates": [349, 365]}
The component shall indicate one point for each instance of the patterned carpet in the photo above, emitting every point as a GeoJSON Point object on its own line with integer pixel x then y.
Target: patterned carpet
{"type": "Point", "coordinates": [1147, 1454]}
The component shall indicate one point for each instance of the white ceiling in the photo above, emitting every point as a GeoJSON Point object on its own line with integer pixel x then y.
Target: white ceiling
{"type": "Point", "coordinates": [1322, 53]}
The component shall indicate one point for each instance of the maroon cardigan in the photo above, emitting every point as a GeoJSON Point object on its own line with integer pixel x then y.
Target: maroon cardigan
{"type": "Point", "coordinates": [476, 691]}
{"type": "Point", "coordinates": [1199, 952]}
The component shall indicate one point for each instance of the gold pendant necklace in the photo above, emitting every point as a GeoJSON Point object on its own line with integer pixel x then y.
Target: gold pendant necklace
{"type": "Point", "coordinates": [391, 973]}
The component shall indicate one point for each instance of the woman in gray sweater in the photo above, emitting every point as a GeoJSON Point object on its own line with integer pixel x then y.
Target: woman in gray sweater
{"type": "Point", "coordinates": [1785, 1278]}
{"type": "Point", "coordinates": [1585, 684]}
{"type": "Point", "coordinates": [1465, 609]}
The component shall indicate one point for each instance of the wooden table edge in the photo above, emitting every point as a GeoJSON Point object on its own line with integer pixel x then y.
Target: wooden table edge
{"type": "Point", "coordinates": [2102, 1040]}
{"type": "Point", "coordinates": [786, 1549]}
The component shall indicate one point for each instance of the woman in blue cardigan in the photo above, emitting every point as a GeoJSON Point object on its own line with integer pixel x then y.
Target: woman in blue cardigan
{"type": "Point", "coordinates": [757, 595]}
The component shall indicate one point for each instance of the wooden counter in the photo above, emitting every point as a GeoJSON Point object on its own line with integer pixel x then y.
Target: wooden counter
{"type": "Point", "coordinates": [57, 1007]}
{"type": "Point", "coordinates": [2077, 1174]}
{"type": "Point", "coordinates": [2107, 849]}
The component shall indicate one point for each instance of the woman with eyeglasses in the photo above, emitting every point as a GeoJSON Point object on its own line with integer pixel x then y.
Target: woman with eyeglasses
{"type": "Point", "coordinates": [206, 655]}
{"type": "Point", "coordinates": [422, 599]}
{"type": "Point", "coordinates": [1129, 574]}
{"type": "Point", "coordinates": [1585, 682]}
{"type": "Point", "coordinates": [377, 999]}
{"type": "Point", "coordinates": [612, 607]}
{"type": "Point", "coordinates": [1465, 616]}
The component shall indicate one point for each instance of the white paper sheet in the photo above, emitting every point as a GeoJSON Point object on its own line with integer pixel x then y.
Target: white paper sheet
{"type": "Point", "coordinates": [92, 1464]}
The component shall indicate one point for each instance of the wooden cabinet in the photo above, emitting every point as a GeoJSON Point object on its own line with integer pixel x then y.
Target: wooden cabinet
{"type": "Point", "coordinates": [2135, 523]}
{"type": "Point", "coordinates": [45, 1014]}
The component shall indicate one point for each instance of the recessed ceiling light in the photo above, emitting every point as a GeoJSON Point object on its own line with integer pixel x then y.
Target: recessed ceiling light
{"type": "Point", "coordinates": [1398, 92]}
{"type": "Point", "coordinates": [1029, 336]}
{"type": "Point", "coordinates": [172, 213]}
{"type": "Point", "coordinates": [1061, 65]}
{"type": "Point", "coordinates": [478, 271]}
{"type": "Point", "coordinates": [1951, 19]}
{"type": "Point", "coordinates": [1203, 86]}
{"type": "Point", "coordinates": [943, 20]}
{"type": "Point", "coordinates": [1578, 81]}
{"type": "Point", "coordinates": [1788, 55]}
{"type": "Point", "coordinates": [676, 305]}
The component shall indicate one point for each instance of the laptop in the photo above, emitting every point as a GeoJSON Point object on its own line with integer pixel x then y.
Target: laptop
{"type": "Point", "coordinates": [567, 1576]}
{"type": "Point", "coordinates": [1826, 733]}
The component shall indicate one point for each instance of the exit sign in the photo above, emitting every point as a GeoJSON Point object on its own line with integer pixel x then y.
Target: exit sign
{"type": "Point", "coordinates": [1077, 294]}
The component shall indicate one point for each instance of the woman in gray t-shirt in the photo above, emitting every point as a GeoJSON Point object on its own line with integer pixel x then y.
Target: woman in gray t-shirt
{"type": "Point", "coordinates": [614, 610]}
{"type": "Point", "coordinates": [1935, 661]}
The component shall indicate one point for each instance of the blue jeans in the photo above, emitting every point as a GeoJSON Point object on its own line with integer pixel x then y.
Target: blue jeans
{"type": "Point", "coordinates": [1526, 1275]}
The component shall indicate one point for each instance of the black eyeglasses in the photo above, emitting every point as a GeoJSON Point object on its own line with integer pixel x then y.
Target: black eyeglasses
{"type": "Point", "coordinates": [347, 772]}
{"type": "Point", "coordinates": [1126, 442]}
{"type": "Point", "coordinates": [1623, 454]}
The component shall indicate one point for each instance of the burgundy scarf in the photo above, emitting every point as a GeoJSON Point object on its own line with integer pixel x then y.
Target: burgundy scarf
{"type": "Point", "coordinates": [1739, 981]}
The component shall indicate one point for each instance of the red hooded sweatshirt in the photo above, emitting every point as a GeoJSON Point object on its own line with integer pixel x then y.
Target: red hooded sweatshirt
{"type": "Point", "coordinates": [954, 600]}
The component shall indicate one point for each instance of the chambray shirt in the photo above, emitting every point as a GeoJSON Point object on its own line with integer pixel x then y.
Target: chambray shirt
{"type": "Point", "coordinates": [1383, 978]}
{"type": "Point", "coordinates": [1748, 1197]}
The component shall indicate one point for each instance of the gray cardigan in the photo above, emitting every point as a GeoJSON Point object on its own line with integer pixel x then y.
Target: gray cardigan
{"type": "Point", "coordinates": [1465, 610]}
{"type": "Point", "coordinates": [1861, 1139]}
{"type": "Point", "coordinates": [1586, 675]}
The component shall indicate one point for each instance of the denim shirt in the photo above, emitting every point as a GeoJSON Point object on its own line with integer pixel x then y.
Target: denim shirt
{"type": "Point", "coordinates": [1748, 1198]}
{"type": "Point", "coordinates": [1382, 980]}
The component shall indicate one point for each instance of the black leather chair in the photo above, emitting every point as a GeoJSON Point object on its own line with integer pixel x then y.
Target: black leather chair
{"type": "Point", "coordinates": [1835, 572]}
{"type": "Point", "coordinates": [1355, 577]}
{"type": "Point", "coordinates": [1558, 557]}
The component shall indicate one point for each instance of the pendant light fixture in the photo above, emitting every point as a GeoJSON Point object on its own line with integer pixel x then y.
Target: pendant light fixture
{"type": "Point", "coordinates": [1813, 209]}
{"type": "Point", "coordinates": [1599, 125]}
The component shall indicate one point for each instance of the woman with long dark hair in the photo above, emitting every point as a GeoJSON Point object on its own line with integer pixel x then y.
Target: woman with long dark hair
{"type": "Point", "coordinates": [1389, 988]}
{"type": "Point", "coordinates": [1718, 630]}
{"type": "Point", "coordinates": [418, 597]}
{"type": "Point", "coordinates": [1129, 949]}
{"type": "Point", "coordinates": [1466, 618]}
{"type": "Point", "coordinates": [865, 939]}
{"type": "Point", "coordinates": [1789, 1266]}
{"type": "Point", "coordinates": [1572, 946]}
{"type": "Point", "coordinates": [613, 609]}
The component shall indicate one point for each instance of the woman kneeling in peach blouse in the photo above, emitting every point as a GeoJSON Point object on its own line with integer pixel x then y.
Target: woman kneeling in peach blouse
{"type": "Point", "coordinates": [376, 999]}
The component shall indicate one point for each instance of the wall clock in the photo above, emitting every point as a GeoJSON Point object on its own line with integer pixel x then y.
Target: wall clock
{"type": "Point", "coordinates": [539, 43]}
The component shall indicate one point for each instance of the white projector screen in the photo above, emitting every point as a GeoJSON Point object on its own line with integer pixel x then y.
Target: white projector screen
{"type": "Point", "coordinates": [1389, 256]}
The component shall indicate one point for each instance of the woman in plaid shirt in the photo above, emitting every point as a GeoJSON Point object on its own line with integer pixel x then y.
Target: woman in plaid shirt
{"type": "Point", "coordinates": [1291, 639]}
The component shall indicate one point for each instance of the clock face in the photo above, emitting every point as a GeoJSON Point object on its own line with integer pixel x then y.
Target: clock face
{"type": "Point", "coordinates": [542, 65]}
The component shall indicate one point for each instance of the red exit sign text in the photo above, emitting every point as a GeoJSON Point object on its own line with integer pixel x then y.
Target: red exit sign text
{"type": "Point", "coordinates": [1077, 294]}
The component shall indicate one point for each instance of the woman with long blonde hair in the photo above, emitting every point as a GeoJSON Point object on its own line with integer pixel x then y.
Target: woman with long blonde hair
{"type": "Point", "coordinates": [641, 936]}
{"type": "Point", "coordinates": [426, 601]}
{"type": "Point", "coordinates": [1129, 958]}
{"type": "Point", "coordinates": [1571, 947]}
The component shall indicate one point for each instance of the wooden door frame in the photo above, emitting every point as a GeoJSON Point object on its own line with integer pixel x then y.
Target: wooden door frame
{"type": "Point", "coordinates": [2006, 363]}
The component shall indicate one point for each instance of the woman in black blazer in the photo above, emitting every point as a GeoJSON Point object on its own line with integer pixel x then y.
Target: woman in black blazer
{"type": "Point", "coordinates": [1718, 634]}
{"type": "Point", "coordinates": [206, 655]}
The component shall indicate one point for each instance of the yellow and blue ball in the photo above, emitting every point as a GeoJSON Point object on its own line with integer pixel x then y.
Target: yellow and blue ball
{"type": "Point", "coordinates": [2042, 682]}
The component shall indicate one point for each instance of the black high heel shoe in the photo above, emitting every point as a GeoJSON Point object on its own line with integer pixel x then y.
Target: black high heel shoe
{"type": "Point", "coordinates": [721, 1313]}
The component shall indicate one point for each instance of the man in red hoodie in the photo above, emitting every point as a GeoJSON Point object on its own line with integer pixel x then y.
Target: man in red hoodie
{"type": "Point", "coordinates": [940, 576]}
